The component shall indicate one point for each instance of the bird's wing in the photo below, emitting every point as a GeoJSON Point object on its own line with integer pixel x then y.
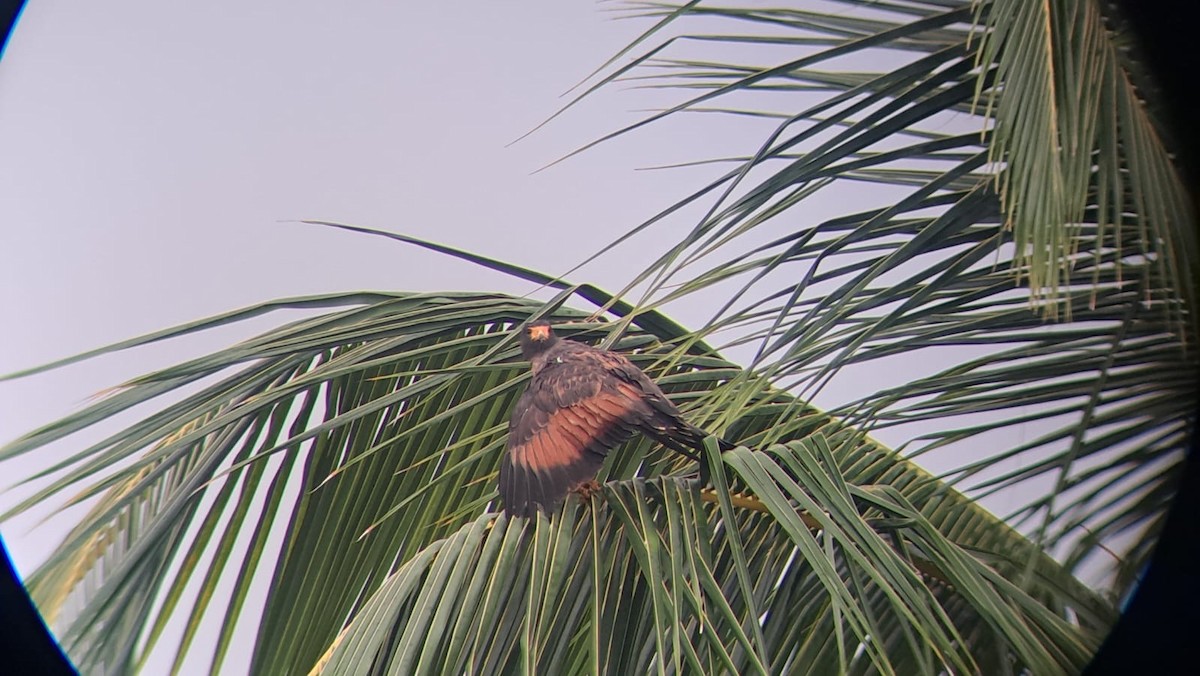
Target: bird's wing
{"type": "Point", "coordinates": [620, 366]}
{"type": "Point", "coordinates": [663, 423]}
{"type": "Point", "coordinates": [564, 424]}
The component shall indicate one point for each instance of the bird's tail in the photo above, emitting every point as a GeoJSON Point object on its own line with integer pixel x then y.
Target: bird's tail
{"type": "Point", "coordinates": [696, 437]}
{"type": "Point", "coordinates": [688, 440]}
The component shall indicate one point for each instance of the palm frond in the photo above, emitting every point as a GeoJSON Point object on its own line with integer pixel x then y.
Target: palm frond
{"type": "Point", "coordinates": [345, 456]}
{"type": "Point", "coordinates": [674, 587]}
{"type": "Point", "coordinates": [1076, 136]}
{"type": "Point", "coordinates": [1035, 244]}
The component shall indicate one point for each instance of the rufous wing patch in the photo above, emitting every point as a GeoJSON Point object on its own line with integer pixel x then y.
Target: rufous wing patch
{"type": "Point", "coordinates": [566, 449]}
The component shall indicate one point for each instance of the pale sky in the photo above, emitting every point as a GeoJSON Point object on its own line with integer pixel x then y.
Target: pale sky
{"type": "Point", "coordinates": [152, 151]}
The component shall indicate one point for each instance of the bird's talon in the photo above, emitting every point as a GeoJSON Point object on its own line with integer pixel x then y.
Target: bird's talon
{"type": "Point", "coordinates": [587, 489]}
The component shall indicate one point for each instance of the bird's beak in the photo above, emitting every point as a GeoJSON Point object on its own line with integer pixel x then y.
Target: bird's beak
{"type": "Point", "coordinates": [539, 332]}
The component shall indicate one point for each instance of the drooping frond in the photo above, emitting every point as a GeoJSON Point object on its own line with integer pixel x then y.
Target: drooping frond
{"type": "Point", "coordinates": [1073, 136]}
{"type": "Point", "coordinates": [681, 584]}
{"type": "Point", "coordinates": [344, 459]}
{"type": "Point", "coordinates": [971, 187]}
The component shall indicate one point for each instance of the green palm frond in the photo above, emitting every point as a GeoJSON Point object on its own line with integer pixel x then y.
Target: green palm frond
{"type": "Point", "coordinates": [677, 589]}
{"type": "Point", "coordinates": [368, 438]}
{"type": "Point", "coordinates": [1075, 138]}
{"type": "Point", "coordinates": [1036, 243]}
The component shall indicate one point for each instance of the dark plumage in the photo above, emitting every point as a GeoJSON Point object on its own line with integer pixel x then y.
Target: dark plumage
{"type": "Point", "coordinates": [581, 402]}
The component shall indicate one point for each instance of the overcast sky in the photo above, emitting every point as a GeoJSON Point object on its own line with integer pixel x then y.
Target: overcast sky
{"type": "Point", "coordinates": [153, 153]}
{"type": "Point", "coordinates": [153, 150]}
{"type": "Point", "coordinates": [154, 156]}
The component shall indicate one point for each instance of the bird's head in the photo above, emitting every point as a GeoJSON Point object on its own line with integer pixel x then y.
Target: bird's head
{"type": "Point", "coordinates": [536, 337]}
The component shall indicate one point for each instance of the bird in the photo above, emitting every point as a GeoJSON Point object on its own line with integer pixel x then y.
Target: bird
{"type": "Point", "coordinates": [580, 403]}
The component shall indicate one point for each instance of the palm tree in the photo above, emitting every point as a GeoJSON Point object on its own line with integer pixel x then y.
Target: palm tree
{"type": "Point", "coordinates": [1036, 242]}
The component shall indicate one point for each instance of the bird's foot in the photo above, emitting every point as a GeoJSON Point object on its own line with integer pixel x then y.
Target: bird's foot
{"type": "Point", "coordinates": [587, 489]}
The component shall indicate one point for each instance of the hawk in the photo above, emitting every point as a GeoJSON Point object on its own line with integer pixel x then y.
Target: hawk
{"type": "Point", "coordinates": [581, 402]}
